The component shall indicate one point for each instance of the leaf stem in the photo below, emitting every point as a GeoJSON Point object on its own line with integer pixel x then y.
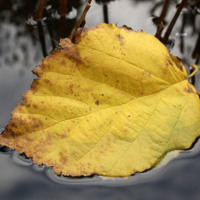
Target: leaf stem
{"type": "Point", "coordinates": [196, 69]}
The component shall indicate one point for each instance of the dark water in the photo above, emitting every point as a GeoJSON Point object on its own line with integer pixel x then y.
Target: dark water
{"type": "Point", "coordinates": [22, 48]}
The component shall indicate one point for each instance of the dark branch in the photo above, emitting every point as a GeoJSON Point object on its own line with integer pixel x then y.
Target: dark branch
{"type": "Point", "coordinates": [159, 30]}
{"type": "Point", "coordinates": [81, 22]}
{"type": "Point", "coordinates": [172, 23]}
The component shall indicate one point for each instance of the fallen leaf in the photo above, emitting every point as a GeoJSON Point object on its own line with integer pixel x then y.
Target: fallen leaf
{"type": "Point", "coordinates": [112, 104]}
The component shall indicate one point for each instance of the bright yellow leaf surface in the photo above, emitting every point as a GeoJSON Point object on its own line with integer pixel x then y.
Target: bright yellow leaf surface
{"type": "Point", "coordinates": [112, 104]}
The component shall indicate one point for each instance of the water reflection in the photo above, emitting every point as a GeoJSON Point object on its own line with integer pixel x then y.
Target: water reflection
{"type": "Point", "coordinates": [51, 19]}
{"type": "Point", "coordinates": [21, 159]}
{"type": "Point", "coordinates": [39, 168]}
{"type": "Point", "coordinates": [179, 180]}
{"type": "Point", "coordinates": [47, 21]}
{"type": "Point", "coordinates": [105, 4]}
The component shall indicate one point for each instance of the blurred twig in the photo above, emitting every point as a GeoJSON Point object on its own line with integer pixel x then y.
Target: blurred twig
{"type": "Point", "coordinates": [172, 23]}
{"type": "Point", "coordinates": [62, 21]}
{"type": "Point", "coordinates": [159, 30]}
{"type": "Point", "coordinates": [81, 22]}
{"type": "Point", "coordinates": [105, 13]}
{"type": "Point", "coordinates": [163, 13]}
{"type": "Point", "coordinates": [38, 17]}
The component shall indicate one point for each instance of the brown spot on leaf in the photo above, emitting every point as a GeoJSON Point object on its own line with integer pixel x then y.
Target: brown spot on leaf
{"type": "Point", "coordinates": [170, 62]}
{"type": "Point", "coordinates": [70, 50]}
{"type": "Point", "coordinates": [12, 133]}
{"type": "Point", "coordinates": [13, 124]}
{"type": "Point", "coordinates": [178, 63]}
{"type": "Point", "coordinates": [189, 89]}
{"type": "Point", "coordinates": [121, 39]}
{"type": "Point", "coordinates": [34, 86]}
{"type": "Point", "coordinates": [63, 63]}
{"type": "Point", "coordinates": [97, 102]}
{"type": "Point", "coordinates": [47, 81]}
{"type": "Point", "coordinates": [71, 88]}
{"type": "Point", "coordinates": [35, 106]}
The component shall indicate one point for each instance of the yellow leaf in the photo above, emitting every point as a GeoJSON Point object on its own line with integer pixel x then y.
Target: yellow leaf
{"type": "Point", "coordinates": [112, 104]}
